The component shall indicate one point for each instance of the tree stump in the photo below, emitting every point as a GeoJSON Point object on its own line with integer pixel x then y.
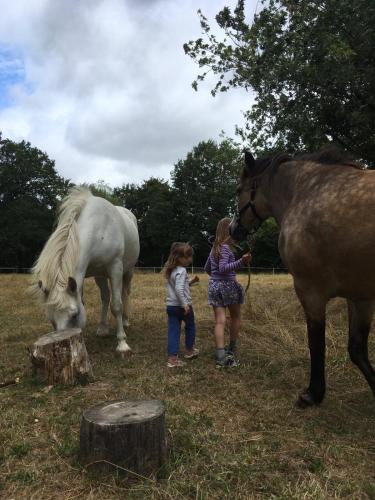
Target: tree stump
{"type": "Point", "coordinates": [61, 358]}
{"type": "Point", "coordinates": [130, 434]}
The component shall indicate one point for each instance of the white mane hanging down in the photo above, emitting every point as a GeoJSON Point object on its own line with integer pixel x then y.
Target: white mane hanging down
{"type": "Point", "coordinates": [58, 258]}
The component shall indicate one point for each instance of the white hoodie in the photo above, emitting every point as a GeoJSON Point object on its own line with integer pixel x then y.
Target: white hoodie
{"type": "Point", "coordinates": [178, 290]}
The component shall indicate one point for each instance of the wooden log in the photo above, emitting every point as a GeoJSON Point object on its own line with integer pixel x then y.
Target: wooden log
{"type": "Point", "coordinates": [129, 434]}
{"type": "Point", "coordinates": [61, 358]}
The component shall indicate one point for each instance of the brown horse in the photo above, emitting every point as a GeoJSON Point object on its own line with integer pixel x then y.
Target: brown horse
{"type": "Point", "coordinates": [325, 208]}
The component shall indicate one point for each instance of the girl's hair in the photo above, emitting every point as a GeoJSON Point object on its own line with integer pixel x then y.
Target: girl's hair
{"type": "Point", "coordinates": [222, 236]}
{"type": "Point", "coordinates": [178, 250]}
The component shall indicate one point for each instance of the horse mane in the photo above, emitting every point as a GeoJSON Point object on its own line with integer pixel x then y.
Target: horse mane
{"type": "Point", "coordinates": [331, 155]}
{"type": "Point", "coordinates": [59, 256]}
{"type": "Point", "coordinates": [269, 163]}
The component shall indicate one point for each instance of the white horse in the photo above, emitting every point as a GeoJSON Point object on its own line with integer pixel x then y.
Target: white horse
{"type": "Point", "coordinates": [92, 238]}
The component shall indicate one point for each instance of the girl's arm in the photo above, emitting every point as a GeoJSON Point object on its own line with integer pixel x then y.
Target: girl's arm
{"type": "Point", "coordinates": [224, 265]}
{"type": "Point", "coordinates": [207, 266]}
{"type": "Point", "coordinates": [180, 286]}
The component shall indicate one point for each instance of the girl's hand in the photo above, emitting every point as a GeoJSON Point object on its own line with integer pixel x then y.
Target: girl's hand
{"type": "Point", "coordinates": [246, 258]}
{"type": "Point", "coordinates": [194, 280]}
{"type": "Point", "coordinates": [186, 309]}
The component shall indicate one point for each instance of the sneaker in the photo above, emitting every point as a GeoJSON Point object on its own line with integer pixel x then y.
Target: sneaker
{"type": "Point", "coordinates": [229, 361]}
{"type": "Point", "coordinates": [229, 352]}
{"type": "Point", "coordinates": [175, 363]}
{"type": "Point", "coordinates": [192, 353]}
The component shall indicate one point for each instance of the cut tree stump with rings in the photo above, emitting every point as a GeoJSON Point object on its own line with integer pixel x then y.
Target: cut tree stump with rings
{"type": "Point", "coordinates": [127, 434]}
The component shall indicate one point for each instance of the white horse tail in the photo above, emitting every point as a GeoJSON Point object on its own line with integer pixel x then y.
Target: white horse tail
{"type": "Point", "coordinates": [59, 256]}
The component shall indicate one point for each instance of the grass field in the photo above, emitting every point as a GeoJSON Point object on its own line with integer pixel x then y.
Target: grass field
{"type": "Point", "coordinates": [231, 434]}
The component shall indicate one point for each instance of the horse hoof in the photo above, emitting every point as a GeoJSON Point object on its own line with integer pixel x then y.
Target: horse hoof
{"type": "Point", "coordinates": [305, 400]}
{"type": "Point", "coordinates": [123, 349]}
{"type": "Point", "coordinates": [124, 354]}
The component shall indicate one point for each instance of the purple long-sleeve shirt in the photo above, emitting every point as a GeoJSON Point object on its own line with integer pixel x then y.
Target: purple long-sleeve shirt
{"type": "Point", "coordinates": [223, 268]}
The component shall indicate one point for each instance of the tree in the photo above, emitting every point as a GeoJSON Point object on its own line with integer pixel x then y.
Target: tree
{"type": "Point", "coordinates": [311, 64]}
{"type": "Point", "coordinates": [266, 252]}
{"type": "Point", "coordinates": [204, 186]}
{"type": "Point", "coordinates": [103, 190]}
{"type": "Point", "coordinates": [152, 204]}
{"type": "Point", "coordinates": [30, 189]}
{"type": "Point", "coordinates": [202, 191]}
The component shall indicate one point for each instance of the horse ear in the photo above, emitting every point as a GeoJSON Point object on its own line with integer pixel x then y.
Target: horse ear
{"type": "Point", "coordinates": [249, 161]}
{"type": "Point", "coordinates": [72, 285]}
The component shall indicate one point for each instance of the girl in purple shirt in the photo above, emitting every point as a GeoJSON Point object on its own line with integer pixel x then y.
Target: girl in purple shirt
{"type": "Point", "coordinates": [224, 291]}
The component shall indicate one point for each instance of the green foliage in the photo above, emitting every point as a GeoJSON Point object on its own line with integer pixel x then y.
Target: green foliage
{"type": "Point", "coordinates": [202, 191]}
{"type": "Point", "coordinates": [266, 253]}
{"type": "Point", "coordinates": [30, 189]}
{"type": "Point", "coordinates": [204, 185]}
{"type": "Point", "coordinates": [311, 64]}
{"type": "Point", "coordinates": [152, 204]}
{"type": "Point", "coordinates": [103, 190]}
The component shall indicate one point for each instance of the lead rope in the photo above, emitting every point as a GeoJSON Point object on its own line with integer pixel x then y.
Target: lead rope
{"type": "Point", "coordinates": [250, 241]}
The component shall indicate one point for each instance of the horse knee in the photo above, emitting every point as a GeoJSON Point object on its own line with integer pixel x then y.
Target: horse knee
{"type": "Point", "coordinates": [116, 307]}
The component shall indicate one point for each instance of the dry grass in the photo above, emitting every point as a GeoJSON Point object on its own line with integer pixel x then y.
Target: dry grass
{"type": "Point", "coordinates": [231, 433]}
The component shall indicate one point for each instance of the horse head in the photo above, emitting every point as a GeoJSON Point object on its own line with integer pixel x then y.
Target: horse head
{"type": "Point", "coordinates": [252, 208]}
{"type": "Point", "coordinates": [64, 305]}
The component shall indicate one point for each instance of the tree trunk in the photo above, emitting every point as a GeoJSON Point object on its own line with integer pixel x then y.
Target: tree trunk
{"type": "Point", "coordinates": [130, 434]}
{"type": "Point", "coordinates": [61, 358]}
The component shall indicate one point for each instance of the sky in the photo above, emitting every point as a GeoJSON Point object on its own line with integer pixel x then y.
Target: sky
{"type": "Point", "coordinates": [104, 87]}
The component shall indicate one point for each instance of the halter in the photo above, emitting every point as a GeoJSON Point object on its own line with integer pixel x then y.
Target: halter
{"type": "Point", "coordinates": [250, 204]}
{"type": "Point", "coordinates": [272, 164]}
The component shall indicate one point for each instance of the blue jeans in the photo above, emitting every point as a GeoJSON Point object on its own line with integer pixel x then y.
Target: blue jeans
{"type": "Point", "coordinates": [175, 316]}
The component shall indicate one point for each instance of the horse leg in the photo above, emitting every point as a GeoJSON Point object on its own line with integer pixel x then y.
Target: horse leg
{"type": "Point", "coordinates": [360, 318]}
{"type": "Point", "coordinates": [116, 274]}
{"type": "Point", "coordinates": [315, 308]}
{"type": "Point", "coordinates": [126, 288]}
{"type": "Point", "coordinates": [103, 330]}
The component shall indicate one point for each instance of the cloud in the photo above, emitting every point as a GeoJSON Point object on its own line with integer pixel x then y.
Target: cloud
{"type": "Point", "coordinates": [106, 88]}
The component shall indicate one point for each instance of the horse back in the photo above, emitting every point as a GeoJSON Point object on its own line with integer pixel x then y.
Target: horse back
{"type": "Point", "coordinates": [107, 233]}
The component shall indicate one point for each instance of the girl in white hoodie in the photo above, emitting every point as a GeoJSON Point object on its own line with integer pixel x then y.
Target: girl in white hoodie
{"type": "Point", "coordinates": [179, 303]}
